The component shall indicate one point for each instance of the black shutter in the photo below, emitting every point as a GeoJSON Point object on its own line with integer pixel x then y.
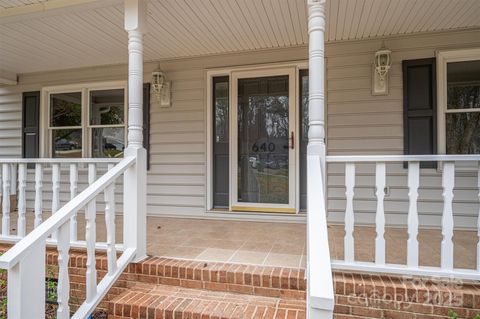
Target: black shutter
{"type": "Point", "coordinates": [420, 108]}
{"type": "Point", "coordinates": [146, 121]}
{"type": "Point", "coordinates": [30, 124]}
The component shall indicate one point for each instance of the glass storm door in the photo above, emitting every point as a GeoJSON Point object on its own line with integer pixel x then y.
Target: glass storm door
{"type": "Point", "coordinates": [263, 141]}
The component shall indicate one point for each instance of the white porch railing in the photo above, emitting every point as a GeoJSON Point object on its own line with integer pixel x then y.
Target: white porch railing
{"type": "Point", "coordinates": [25, 261]}
{"type": "Point", "coordinates": [28, 177]}
{"type": "Point", "coordinates": [447, 166]}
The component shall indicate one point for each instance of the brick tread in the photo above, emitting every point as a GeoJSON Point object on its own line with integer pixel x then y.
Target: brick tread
{"type": "Point", "coordinates": [163, 301]}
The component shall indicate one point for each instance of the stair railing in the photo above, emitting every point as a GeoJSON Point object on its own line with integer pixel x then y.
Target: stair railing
{"type": "Point", "coordinates": [25, 261]}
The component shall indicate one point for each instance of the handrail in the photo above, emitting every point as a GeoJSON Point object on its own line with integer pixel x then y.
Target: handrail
{"type": "Point", "coordinates": [401, 158]}
{"type": "Point", "coordinates": [59, 160]}
{"type": "Point", "coordinates": [320, 281]}
{"type": "Point", "coordinates": [40, 233]}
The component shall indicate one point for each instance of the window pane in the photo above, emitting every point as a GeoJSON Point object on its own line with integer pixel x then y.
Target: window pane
{"type": "Point", "coordinates": [463, 133]}
{"type": "Point", "coordinates": [463, 85]}
{"type": "Point", "coordinates": [66, 109]}
{"type": "Point", "coordinates": [107, 107]}
{"type": "Point", "coordinates": [108, 142]}
{"type": "Point", "coordinates": [67, 143]}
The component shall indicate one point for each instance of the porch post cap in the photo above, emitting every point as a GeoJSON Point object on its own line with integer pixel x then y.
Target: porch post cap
{"type": "Point", "coordinates": [136, 15]}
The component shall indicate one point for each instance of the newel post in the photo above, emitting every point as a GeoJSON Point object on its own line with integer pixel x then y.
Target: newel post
{"type": "Point", "coordinates": [316, 176]}
{"type": "Point", "coordinates": [135, 180]}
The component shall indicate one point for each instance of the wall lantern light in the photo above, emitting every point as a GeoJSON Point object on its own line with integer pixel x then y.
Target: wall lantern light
{"type": "Point", "coordinates": [161, 88]}
{"type": "Point", "coordinates": [381, 67]}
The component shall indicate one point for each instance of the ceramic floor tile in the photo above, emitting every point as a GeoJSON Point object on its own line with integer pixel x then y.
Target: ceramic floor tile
{"type": "Point", "coordinates": [248, 257]}
{"type": "Point", "coordinates": [283, 260]}
{"type": "Point", "coordinates": [216, 254]}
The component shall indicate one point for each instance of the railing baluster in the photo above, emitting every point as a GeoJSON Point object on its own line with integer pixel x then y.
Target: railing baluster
{"type": "Point", "coordinates": [90, 237]}
{"type": "Point", "coordinates": [38, 194]}
{"type": "Point", "coordinates": [349, 215]}
{"type": "Point", "coordinates": [73, 193]}
{"type": "Point", "coordinates": [55, 187]}
{"type": "Point", "coordinates": [55, 191]}
{"type": "Point", "coordinates": [448, 181]}
{"type": "Point", "coordinates": [380, 215]}
{"type": "Point", "coordinates": [22, 205]}
{"type": "Point", "coordinates": [6, 200]}
{"type": "Point", "coordinates": [13, 184]}
{"type": "Point", "coordinates": [63, 288]}
{"type": "Point", "coordinates": [110, 223]}
{"type": "Point", "coordinates": [412, 243]}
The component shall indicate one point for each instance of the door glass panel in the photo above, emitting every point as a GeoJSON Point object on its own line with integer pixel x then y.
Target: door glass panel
{"type": "Point", "coordinates": [220, 142]}
{"type": "Point", "coordinates": [303, 137]}
{"type": "Point", "coordinates": [263, 136]}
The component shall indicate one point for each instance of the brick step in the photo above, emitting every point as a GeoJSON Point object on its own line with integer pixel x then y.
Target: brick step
{"type": "Point", "coordinates": [287, 283]}
{"type": "Point", "coordinates": [163, 301]}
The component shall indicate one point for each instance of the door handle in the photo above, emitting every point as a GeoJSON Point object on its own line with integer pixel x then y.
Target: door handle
{"type": "Point", "coordinates": [292, 140]}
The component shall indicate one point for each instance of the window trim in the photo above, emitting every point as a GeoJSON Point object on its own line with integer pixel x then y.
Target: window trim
{"type": "Point", "coordinates": [444, 57]}
{"type": "Point", "coordinates": [84, 89]}
{"type": "Point", "coordinates": [216, 72]}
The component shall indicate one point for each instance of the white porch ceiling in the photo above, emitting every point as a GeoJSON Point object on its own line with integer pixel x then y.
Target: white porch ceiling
{"type": "Point", "coordinates": [5, 4]}
{"type": "Point", "coordinates": [94, 35]}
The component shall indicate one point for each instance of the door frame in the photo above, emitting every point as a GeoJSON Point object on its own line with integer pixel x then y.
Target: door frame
{"type": "Point", "coordinates": [262, 68]}
{"type": "Point", "coordinates": [235, 205]}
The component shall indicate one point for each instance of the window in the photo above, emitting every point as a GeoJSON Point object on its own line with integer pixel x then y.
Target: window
{"type": "Point", "coordinates": [66, 124]}
{"type": "Point", "coordinates": [86, 121]}
{"type": "Point", "coordinates": [459, 101]}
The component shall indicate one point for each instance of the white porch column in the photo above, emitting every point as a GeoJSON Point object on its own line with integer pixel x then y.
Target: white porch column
{"type": "Point", "coordinates": [320, 295]}
{"type": "Point", "coordinates": [316, 65]}
{"type": "Point", "coordinates": [135, 180]}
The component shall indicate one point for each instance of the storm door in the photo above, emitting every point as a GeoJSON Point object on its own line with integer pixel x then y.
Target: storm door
{"type": "Point", "coordinates": [263, 141]}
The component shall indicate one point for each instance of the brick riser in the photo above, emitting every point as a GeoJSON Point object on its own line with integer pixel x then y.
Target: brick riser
{"type": "Point", "coordinates": [288, 283]}
{"type": "Point", "coordinates": [162, 301]}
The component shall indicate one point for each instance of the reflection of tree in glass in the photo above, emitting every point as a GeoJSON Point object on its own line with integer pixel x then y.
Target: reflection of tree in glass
{"type": "Point", "coordinates": [463, 129]}
{"type": "Point", "coordinates": [112, 115]}
{"type": "Point", "coordinates": [65, 113]}
{"type": "Point", "coordinates": [273, 112]}
{"type": "Point", "coordinates": [221, 118]}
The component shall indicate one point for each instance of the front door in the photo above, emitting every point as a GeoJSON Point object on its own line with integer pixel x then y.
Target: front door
{"type": "Point", "coordinates": [263, 141]}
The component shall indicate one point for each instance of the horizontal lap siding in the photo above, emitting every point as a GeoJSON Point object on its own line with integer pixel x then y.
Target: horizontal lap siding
{"type": "Point", "coordinates": [176, 180]}
{"type": "Point", "coordinates": [362, 124]}
{"type": "Point", "coordinates": [10, 123]}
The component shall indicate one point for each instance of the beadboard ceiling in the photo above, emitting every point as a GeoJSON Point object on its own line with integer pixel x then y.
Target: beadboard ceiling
{"type": "Point", "coordinates": [93, 35]}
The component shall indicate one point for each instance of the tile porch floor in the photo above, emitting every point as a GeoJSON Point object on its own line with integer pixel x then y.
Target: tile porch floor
{"type": "Point", "coordinates": [275, 244]}
{"type": "Point", "coordinates": [283, 244]}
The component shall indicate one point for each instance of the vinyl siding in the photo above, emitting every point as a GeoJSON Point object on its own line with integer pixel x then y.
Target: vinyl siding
{"type": "Point", "coordinates": [357, 123]}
